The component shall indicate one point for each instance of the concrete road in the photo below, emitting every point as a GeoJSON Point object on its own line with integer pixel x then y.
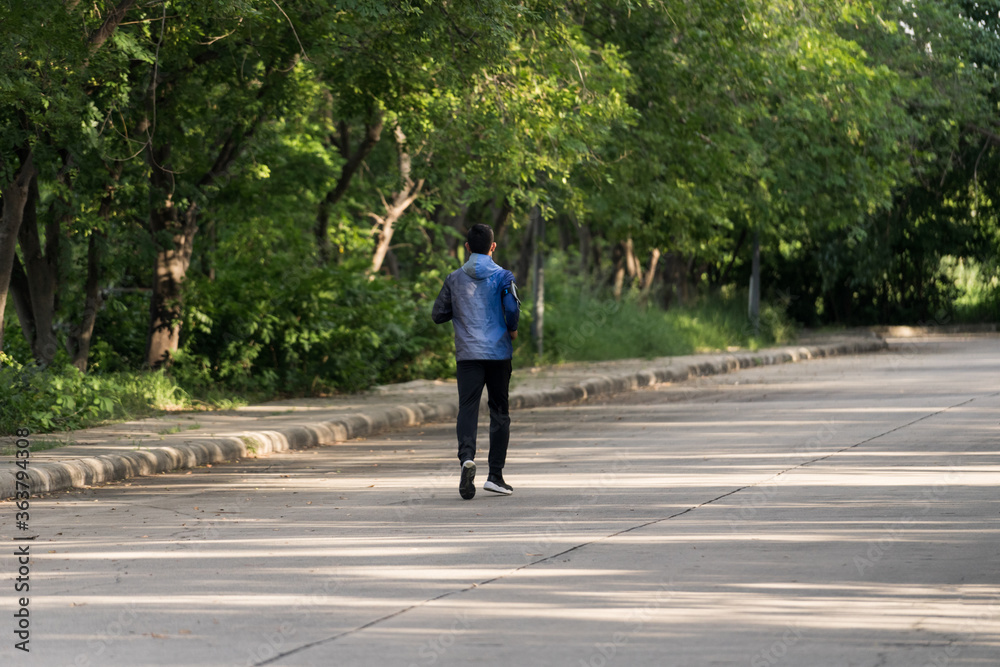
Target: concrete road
{"type": "Point", "coordinates": [836, 512]}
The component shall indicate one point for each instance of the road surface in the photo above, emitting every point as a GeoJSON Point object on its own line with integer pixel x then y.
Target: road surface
{"type": "Point", "coordinates": [835, 512]}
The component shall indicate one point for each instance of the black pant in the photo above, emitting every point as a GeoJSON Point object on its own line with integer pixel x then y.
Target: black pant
{"type": "Point", "coordinates": [472, 375]}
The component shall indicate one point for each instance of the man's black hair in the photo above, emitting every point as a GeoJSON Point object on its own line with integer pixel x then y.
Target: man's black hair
{"type": "Point", "coordinates": [480, 239]}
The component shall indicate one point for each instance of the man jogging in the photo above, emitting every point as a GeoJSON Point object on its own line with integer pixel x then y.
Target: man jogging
{"type": "Point", "coordinates": [481, 299]}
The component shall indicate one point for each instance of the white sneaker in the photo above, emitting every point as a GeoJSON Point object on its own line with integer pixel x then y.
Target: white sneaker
{"type": "Point", "coordinates": [496, 484]}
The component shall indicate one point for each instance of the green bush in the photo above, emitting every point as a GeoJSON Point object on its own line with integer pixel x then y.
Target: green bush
{"type": "Point", "coordinates": [257, 333]}
{"type": "Point", "coordinates": [587, 324]}
{"type": "Point", "coordinates": [978, 288]}
{"type": "Point", "coordinates": [120, 333]}
{"type": "Point", "coordinates": [246, 338]}
{"type": "Point", "coordinates": [62, 398]}
{"type": "Point", "coordinates": [316, 330]}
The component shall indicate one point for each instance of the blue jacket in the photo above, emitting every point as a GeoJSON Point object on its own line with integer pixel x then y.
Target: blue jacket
{"type": "Point", "coordinates": [482, 300]}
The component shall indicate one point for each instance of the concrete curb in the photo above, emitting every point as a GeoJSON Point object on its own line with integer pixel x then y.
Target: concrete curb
{"type": "Point", "coordinates": [78, 473]}
{"type": "Point", "coordinates": [934, 330]}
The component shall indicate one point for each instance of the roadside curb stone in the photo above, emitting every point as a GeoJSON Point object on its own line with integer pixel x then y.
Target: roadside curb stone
{"type": "Point", "coordinates": [51, 476]}
{"type": "Point", "coordinates": [935, 330]}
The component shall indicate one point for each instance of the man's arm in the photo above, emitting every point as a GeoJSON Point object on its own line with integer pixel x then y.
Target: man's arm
{"type": "Point", "coordinates": [441, 312]}
{"type": "Point", "coordinates": [511, 308]}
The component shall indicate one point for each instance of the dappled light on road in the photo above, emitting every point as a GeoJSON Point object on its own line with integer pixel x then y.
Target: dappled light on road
{"type": "Point", "coordinates": [828, 519]}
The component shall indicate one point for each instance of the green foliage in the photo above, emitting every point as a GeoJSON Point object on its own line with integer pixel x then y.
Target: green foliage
{"type": "Point", "coordinates": [777, 122]}
{"type": "Point", "coordinates": [630, 329]}
{"type": "Point", "coordinates": [120, 333]}
{"type": "Point", "coordinates": [317, 330]}
{"type": "Point", "coordinates": [858, 139]}
{"type": "Point", "coordinates": [587, 324]}
{"type": "Point", "coordinates": [62, 398]}
{"type": "Point", "coordinates": [978, 289]}
{"type": "Point", "coordinates": [531, 124]}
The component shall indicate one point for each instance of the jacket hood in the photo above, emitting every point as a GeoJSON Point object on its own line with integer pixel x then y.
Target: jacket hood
{"type": "Point", "coordinates": [480, 267]}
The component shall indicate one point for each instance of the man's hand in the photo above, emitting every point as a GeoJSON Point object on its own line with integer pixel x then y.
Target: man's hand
{"type": "Point", "coordinates": [513, 334]}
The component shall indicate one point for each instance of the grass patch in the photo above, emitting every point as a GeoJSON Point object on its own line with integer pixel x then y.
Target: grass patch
{"type": "Point", "coordinates": [253, 444]}
{"type": "Point", "coordinates": [177, 428]}
{"type": "Point", "coordinates": [583, 324]}
{"type": "Point", "coordinates": [39, 446]}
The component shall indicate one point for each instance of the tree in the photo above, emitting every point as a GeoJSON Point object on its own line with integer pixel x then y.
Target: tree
{"type": "Point", "coordinates": [52, 69]}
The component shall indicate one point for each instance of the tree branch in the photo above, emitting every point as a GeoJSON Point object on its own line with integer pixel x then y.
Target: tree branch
{"type": "Point", "coordinates": [115, 17]}
{"type": "Point", "coordinates": [992, 136]}
{"type": "Point", "coordinates": [373, 132]}
{"type": "Point", "coordinates": [236, 140]}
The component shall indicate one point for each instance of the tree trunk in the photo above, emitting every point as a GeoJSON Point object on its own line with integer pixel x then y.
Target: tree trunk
{"type": "Point", "coordinates": [538, 282]}
{"type": "Point", "coordinates": [400, 202]}
{"type": "Point", "coordinates": [500, 213]}
{"type": "Point", "coordinates": [322, 229]}
{"type": "Point", "coordinates": [207, 256]}
{"type": "Point", "coordinates": [562, 224]}
{"type": "Point", "coordinates": [626, 263]}
{"type": "Point", "coordinates": [650, 276]}
{"type": "Point", "coordinates": [81, 336]}
{"type": "Point", "coordinates": [173, 234]}
{"type": "Point", "coordinates": [618, 272]}
{"type": "Point", "coordinates": [690, 279]}
{"type": "Point", "coordinates": [387, 226]}
{"type": "Point", "coordinates": [632, 264]}
{"type": "Point", "coordinates": [458, 223]}
{"type": "Point", "coordinates": [173, 230]}
{"type": "Point", "coordinates": [373, 132]}
{"type": "Point", "coordinates": [15, 196]}
{"type": "Point", "coordinates": [79, 341]}
{"type": "Point", "coordinates": [736, 251]}
{"type": "Point", "coordinates": [392, 264]}
{"type": "Point", "coordinates": [524, 259]}
{"type": "Point", "coordinates": [676, 277]}
{"type": "Point", "coordinates": [583, 237]}
{"type": "Point", "coordinates": [754, 305]}
{"type": "Point", "coordinates": [42, 274]}
{"type": "Point", "coordinates": [22, 300]}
